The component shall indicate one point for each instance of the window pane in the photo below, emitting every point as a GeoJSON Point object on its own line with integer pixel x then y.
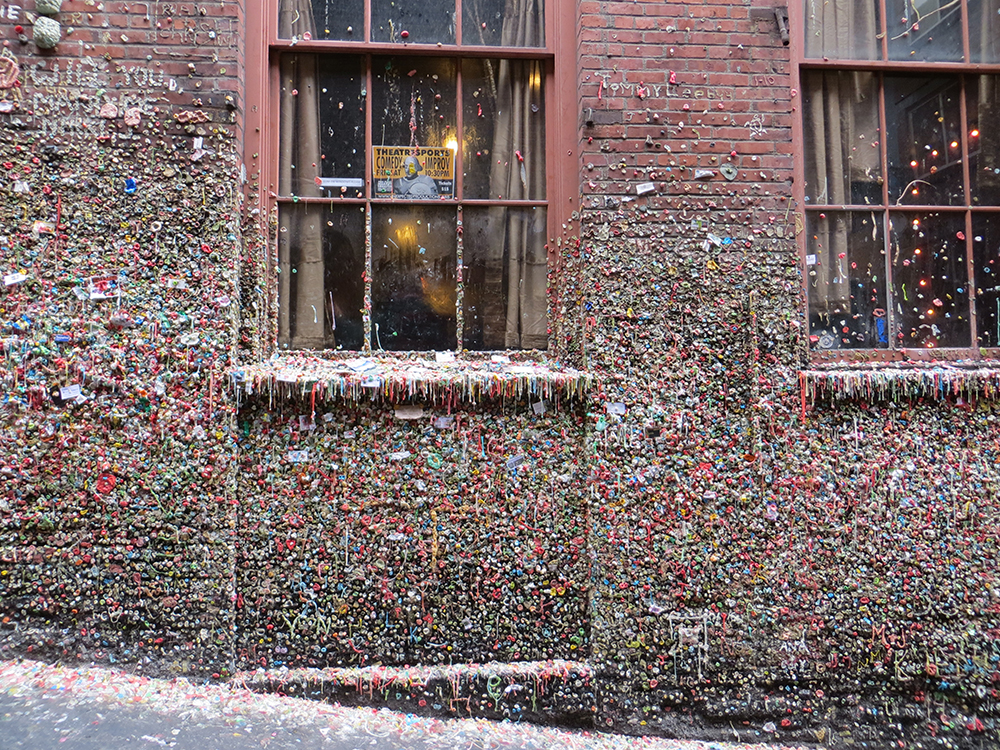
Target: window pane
{"type": "Point", "coordinates": [504, 121]}
{"type": "Point", "coordinates": [414, 21]}
{"type": "Point", "coordinates": [925, 30]}
{"type": "Point", "coordinates": [413, 277]}
{"type": "Point", "coordinates": [845, 264]}
{"type": "Point", "coordinates": [503, 23]}
{"type": "Point", "coordinates": [321, 19]}
{"type": "Point", "coordinates": [413, 103]}
{"type": "Point", "coordinates": [984, 30]}
{"type": "Point", "coordinates": [986, 254]}
{"type": "Point", "coordinates": [322, 127]}
{"type": "Point", "coordinates": [843, 29]}
{"type": "Point", "coordinates": [505, 276]}
{"type": "Point", "coordinates": [843, 164]}
{"type": "Point", "coordinates": [924, 140]}
{"type": "Point", "coordinates": [983, 94]}
{"type": "Point", "coordinates": [321, 257]}
{"type": "Point", "coordinates": [930, 279]}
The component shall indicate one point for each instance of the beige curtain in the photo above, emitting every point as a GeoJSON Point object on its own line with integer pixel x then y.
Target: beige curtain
{"type": "Point", "coordinates": [842, 29]}
{"type": "Point", "coordinates": [984, 30]}
{"type": "Point", "coordinates": [517, 256]}
{"type": "Point", "coordinates": [302, 317]}
{"type": "Point", "coordinates": [841, 124]}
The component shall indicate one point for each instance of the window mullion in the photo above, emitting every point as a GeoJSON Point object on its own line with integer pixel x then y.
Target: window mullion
{"type": "Point", "coordinates": [368, 21]}
{"type": "Point", "coordinates": [366, 345]}
{"type": "Point", "coordinates": [970, 266]}
{"type": "Point", "coordinates": [884, 23]}
{"type": "Point", "coordinates": [966, 44]}
{"type": "Point", "coordinates": [458, 23]}
{"type": "Point", "coordinates": [883, 151]}
{"type": "Point", "coordinates": [970, 282]}
{"type": "Point", "coordinates": [369, 125]}
{"type": "Point", "coordinates": [459, 187]}
{"type": "Point", "coordinates": [459, 130]}
{"type": "Point", "coordinates": [459, 282]}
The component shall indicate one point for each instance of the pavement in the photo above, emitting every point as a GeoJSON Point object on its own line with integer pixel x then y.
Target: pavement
{"type": "Point", "coordinates": [46, 707]}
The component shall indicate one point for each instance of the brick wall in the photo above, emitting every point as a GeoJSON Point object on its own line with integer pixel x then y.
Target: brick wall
{"type": "Point", "coordinates": [119, 207]}
{"type": "Point", "coordinates": [752, 544]}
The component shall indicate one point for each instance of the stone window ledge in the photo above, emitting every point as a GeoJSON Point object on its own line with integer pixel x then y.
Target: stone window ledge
{"type": "Point", "coordinates": [440, 377]}
{"type": "Point", "coordinates": [944, 381]}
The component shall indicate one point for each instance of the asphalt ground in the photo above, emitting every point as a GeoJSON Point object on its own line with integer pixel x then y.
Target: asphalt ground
{"type": "Point", "coordinates": [45, 707]}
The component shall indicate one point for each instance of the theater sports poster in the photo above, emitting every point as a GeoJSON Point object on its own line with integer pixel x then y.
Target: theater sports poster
{"type": "Point", "coordinates": [414, 172]}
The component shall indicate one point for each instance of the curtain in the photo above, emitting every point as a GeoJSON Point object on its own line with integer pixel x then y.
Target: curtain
{"type": "Point", "coordinates": [517, 262]}
{"type": "Point", "coordinates": [842, 29]}
{"type": "Point", "coordinates": [841, 116]}
{"type": "Point", "coordinates": [842, 168]}
{"type": "Point", "coordinates": [303, 313]}
{"type": "Point", "coordinates": [989, 32]}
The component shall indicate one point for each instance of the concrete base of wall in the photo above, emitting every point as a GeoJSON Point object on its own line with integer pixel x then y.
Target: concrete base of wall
{"type": "Point", "coordinates": [559, 693]}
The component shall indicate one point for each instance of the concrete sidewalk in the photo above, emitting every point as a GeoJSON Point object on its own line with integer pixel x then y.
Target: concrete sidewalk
{"type": "Point", "coordinates": [45, 707]}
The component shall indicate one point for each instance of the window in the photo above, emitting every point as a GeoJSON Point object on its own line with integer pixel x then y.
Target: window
{"type": "Point", "coordinates": [409, 146]}
{"type": "Point", "coordinates": [900, 175]}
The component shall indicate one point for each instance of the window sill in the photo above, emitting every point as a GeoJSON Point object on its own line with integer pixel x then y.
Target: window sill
{"type": "Point", "coordinates": [441, 377]}
{"type": "Point", "coordinates": [878, 381]}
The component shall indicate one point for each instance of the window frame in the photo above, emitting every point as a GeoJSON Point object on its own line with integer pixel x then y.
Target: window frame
{"type": "Point", "coordinates": [800, 64]}
{"type": "Point", "coordinates": [261, 137]}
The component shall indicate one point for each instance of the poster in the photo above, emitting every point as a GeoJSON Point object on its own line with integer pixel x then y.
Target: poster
{"type": "Point", "coordinates": [414, 173]}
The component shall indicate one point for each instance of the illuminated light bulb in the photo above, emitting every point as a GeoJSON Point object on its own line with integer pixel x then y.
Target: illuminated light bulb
{"type": "Point", "coordinates": [975, 133]}
{"type": "Point", "coordinates": [452, 144]}
{"type": "Point", "coordinates": [954, 144]}
{"type": "Point", "coordinates": [923, 282]}
{"type": "Point", "coordinates": [915, 191]}
{"type": "Point", "coordinates": [914, 164]}
{"type": "Point", "coordinates": [934, 152]}
{"type": "Point", "coordinates": [917, 251]}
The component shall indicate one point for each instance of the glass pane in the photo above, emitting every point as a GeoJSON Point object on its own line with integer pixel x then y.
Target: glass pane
{"type": "Point", "coordinates": [845, 30]}
{"type": "Point", "coordinates": [504, 121]}
{"type": "Point", "coordinates": [321, 19]}
{"type": "Point", "coordinates": [321, 259]}
{"type": "Point", "coordinates": [924, 140]}
{"type": "Point", "coordinates": [983, 94]}
{"type": "Point", "coordinates": [414, 109]}
{"type": "Point", "coordinates": [986, 255]}
{"type": "Point", "coordinates": [415, 21]}
{"type": "Point", "coordinates": [984, 30]}
{"type": "Point", "coordinates": [322, 128]}
{"type": "Point", "coordinates": [925, 30]}
{"type": "Point", "coordinates": [504, 274]}
{"type": "Point", "coordinates": [929, 279]}
{"type": "Point", "coordinates": [843, 163]}
{"type": "Point", "coordinates": [845, 266]}
{"type": "Point", "coordinates": [413, 277]}
{"type": "Point", "coordinates": [502, 23]}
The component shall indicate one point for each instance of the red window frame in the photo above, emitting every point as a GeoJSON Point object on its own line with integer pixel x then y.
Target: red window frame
{"type": "Point", "coordinates": [801, 63]}
{"type": "Point", "coordinates": [561, 90]}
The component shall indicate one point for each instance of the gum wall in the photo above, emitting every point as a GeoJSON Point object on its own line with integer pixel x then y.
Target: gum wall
{"type": "Point", "coordinates": [731, 549]}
